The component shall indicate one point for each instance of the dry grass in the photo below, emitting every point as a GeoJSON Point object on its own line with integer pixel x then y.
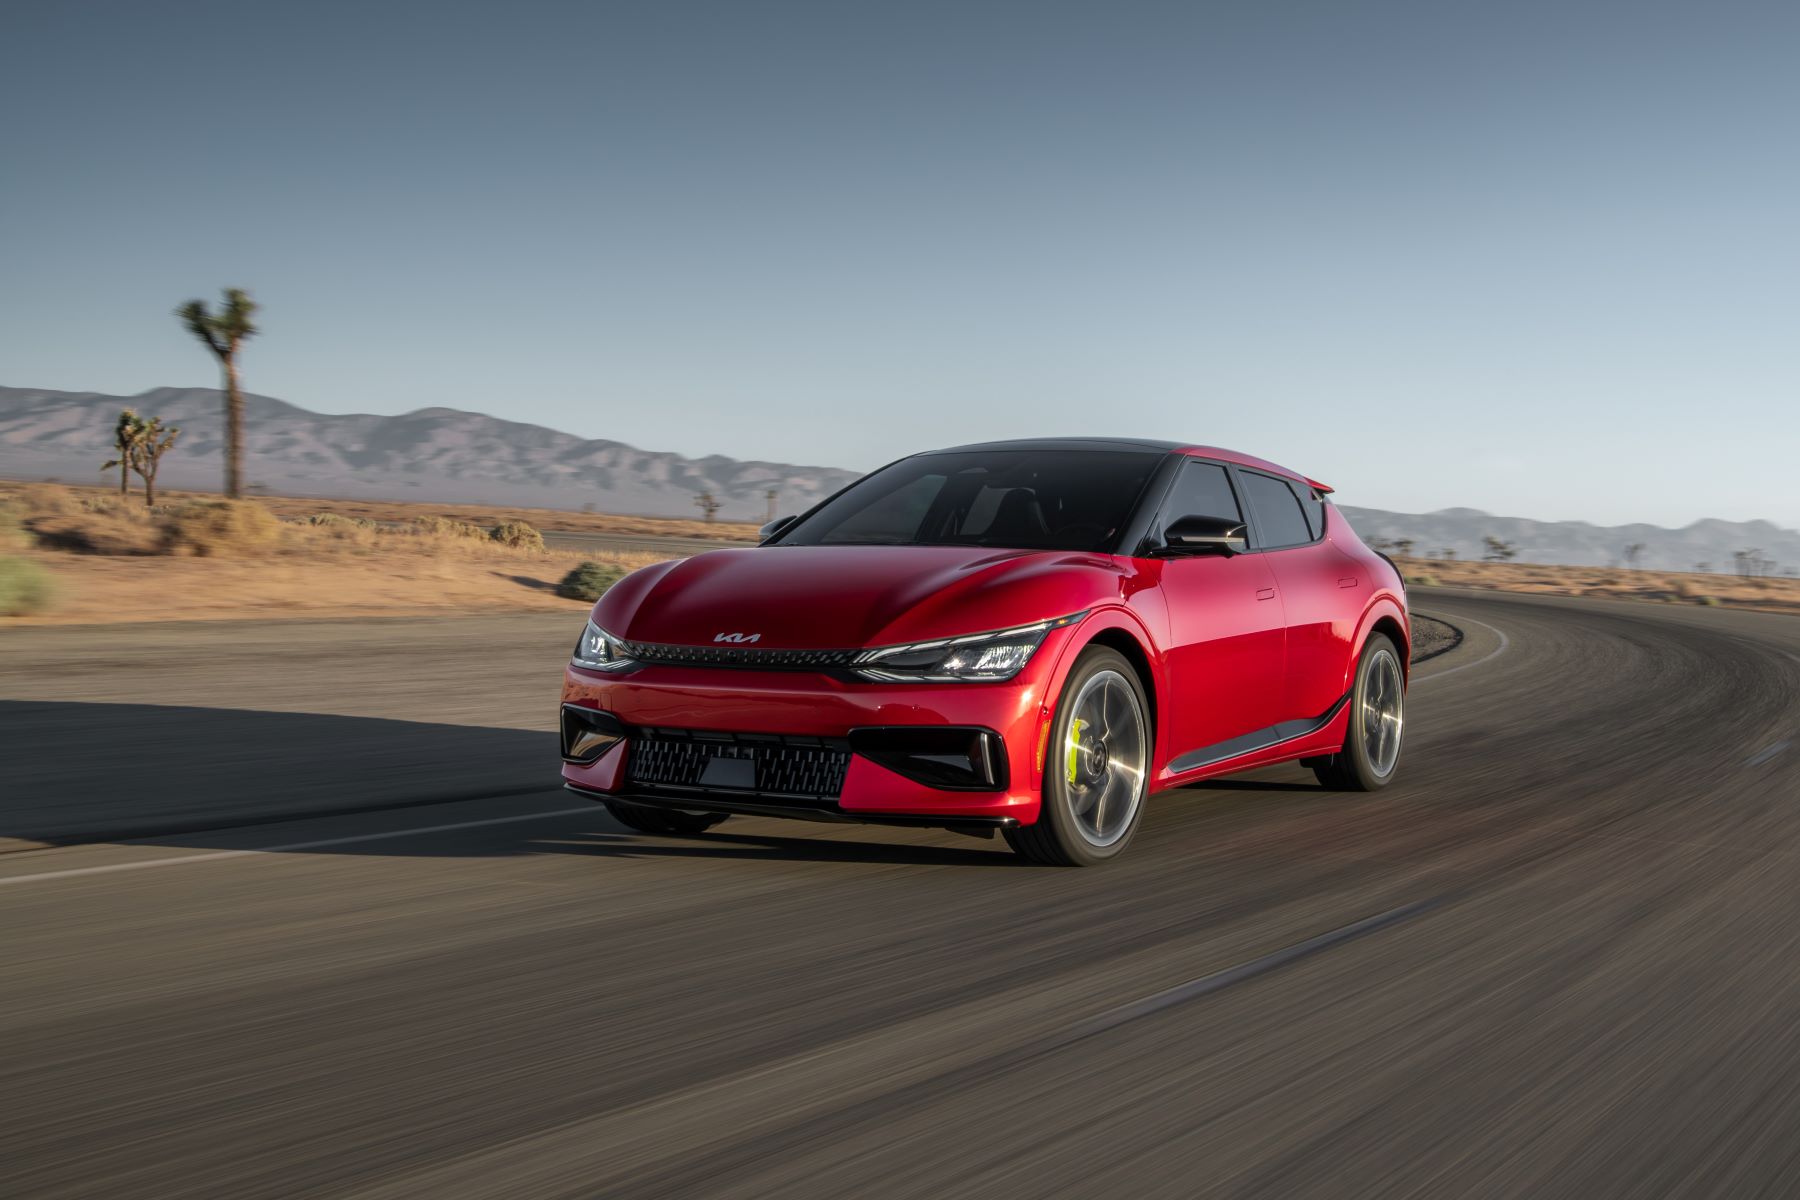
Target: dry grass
{"type": "Point", "coordinates": [291, 508]}
{"type": "Point", "coordinates": [209, 559]}
{"type": "Point", "coordinates": [1668, 587]}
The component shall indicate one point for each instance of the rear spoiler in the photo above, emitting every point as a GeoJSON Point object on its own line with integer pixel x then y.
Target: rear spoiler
{"type": "Point", "coordinates": [1316, 486]}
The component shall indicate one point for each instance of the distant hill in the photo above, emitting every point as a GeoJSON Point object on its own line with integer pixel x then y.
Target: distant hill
{"type": "Point", "coordinates": [1577, 543]}
{"type": "Point", "coordinates": [442, 454]}
{"type": "Point", "coordinates": [450, 455]}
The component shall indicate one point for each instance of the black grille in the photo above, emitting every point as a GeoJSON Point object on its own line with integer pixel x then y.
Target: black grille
{"type": "Point", "coordinates": [760, 764]}
{"type": "Point", "coordinates": [662, 654]}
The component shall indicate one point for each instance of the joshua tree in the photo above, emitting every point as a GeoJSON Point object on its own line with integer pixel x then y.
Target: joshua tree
{"type": "Point", "coordinates": [156, 442]}
{"type": "Point", "coordinates": [707, 503]}
{"type": "Point", "coordinates": [771, 496]}
{"type": "Point", "coordinates": [1704, 568]}
{"type": "Point", "coordinates": [1633, 552]}
{"type": "Point", "coordinates": [1403, 547]}
{"type": "Point", "coordinates": [1449, 553]}
{"type": "Point", "coordinates": [1498, 551]}
{"type": "Point", "coordinates": [128, 434]}
{"type": "Point", "coordinates": [224, 332]}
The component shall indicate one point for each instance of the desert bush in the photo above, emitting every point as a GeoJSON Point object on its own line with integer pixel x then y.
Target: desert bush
{"type": "Point", "coordinates": [518, 535]}
{"type": "Point", "coordinates": [589, 580]}
{"type": "Point", "coordinates": [338, 521]}
{"type": "Point", "coordinates": [123, 529]}
{"type": "Point", "coordinates": [221, 528]}
{"type": "Point", "coordinates": [1708, 601]}
{"type": "Point", "coordinates": [12, 533]}
{"type": "Point", "coordinates": [25, 587]}
{"type": "Point", "coordinates": [47, 500]}
{"type": "Point", "coordinates": [1422, 579]}
{"type": "Point", "coordinates": [444, 527]}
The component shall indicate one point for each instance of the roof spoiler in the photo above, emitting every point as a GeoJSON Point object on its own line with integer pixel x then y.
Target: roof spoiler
{"type": "Point", "coordinates": [1316, 486]}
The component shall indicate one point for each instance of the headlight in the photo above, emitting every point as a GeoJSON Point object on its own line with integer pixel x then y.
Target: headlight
{"type": "Point", "coordinates": [599, 650]}
{"type": "Point", "coordinates": [974, 658]}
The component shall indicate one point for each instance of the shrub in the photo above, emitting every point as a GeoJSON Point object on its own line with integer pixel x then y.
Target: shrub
{"type": "Point", "coordinates": [121, 530]}
{"type": "Point", "coordinates": [1424, 579]}
{"type": "Point", "coordinates": [12, 534]}
{"type": "Point", "coordinates": [444, 527]}
{"type": "Point", "coordinates": [25, 587]}
{"type": "Point", "coordinates": [518, 535]}
{"type": "Point", "coordinates": [589, 580]}
{"type": "Point", "coordinates": [221, 528]}
{"type": "Point", "coordinates": [338, 521]}
{"type": "Point", "coordinates": [47, 500]}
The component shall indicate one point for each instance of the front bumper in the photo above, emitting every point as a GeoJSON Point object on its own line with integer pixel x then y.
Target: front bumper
{"type": "Point", "coordinates": [805, 709]}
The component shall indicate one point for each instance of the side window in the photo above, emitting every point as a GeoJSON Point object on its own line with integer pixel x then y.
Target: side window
{"type": "Point", "coordinates": [1313, 505]}
{"type": "Point", "coordinates": [1202, 489]}
{"type": "Point", "coordinates": [1278, 514]}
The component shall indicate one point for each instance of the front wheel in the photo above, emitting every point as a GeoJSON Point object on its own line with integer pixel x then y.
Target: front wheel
{"type": "Point", "coordinates": [1097, 768]}
{"type": "Point", "coordinates": [1371, 752]}
{"type": "Point", "coordinates": [663, 822]}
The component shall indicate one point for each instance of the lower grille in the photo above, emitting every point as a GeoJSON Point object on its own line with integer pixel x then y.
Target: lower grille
{"type": "Point", "coordinates": [761, 764]}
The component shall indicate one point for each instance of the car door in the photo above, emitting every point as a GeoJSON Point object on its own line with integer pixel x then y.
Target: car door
{"type": "Point", "coordinates": [1225, 654]}
{"type": "Point", "coordinates": [1321, 591]}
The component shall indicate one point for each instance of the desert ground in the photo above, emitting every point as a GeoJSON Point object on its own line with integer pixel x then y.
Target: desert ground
{"type": "Point", "coordinates": [108, 560]}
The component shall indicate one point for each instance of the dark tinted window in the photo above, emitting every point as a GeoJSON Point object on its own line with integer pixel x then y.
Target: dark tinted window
{"type": "Point", "coordinates": [1202, 489]}
{"type": "Point", "coordinates": [1278, 514]}
{"type": "Point", "coordinates": [1018, 499]}
{"type": "Point", "coordinates": [1314, 507]}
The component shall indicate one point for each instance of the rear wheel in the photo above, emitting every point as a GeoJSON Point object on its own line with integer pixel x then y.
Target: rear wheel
{"type": "Point", "coordinates": [664, 822]}
{"type": "Point", "coordinates": [1097, 771]}
{"type": "Point", "coordinates": [1371, 753]}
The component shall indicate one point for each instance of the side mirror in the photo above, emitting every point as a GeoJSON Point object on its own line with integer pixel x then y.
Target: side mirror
{"type": "Point", "coordinates": [1205, 535]}
{"type": "Point", "coordinates": [774, 528]}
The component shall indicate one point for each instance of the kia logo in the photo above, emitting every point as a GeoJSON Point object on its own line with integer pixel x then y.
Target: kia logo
{"type": "Point", "coordinates": [740, 638]}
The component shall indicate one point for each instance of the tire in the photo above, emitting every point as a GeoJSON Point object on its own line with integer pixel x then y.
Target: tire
{"type": "Point", "coordinates": [1370, 757]}
{"type": "Point", "coordinates": [1094, 786]}
{"type": "Point", "coordinates": [663, 822]}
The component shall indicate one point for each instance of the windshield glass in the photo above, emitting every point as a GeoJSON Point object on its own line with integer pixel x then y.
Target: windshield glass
{"type": "Point", "coordinates": [1015, 499]}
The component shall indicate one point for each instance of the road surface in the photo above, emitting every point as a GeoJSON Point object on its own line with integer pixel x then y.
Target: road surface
{"type": "Point", "coordinates": [1557, 958]}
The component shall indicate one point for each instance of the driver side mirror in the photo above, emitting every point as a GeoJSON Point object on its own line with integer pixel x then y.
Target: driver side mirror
{"type": "Point", "coordinates": [774, 528]}
{"type": "Point", "coordinates": [1204, 535]}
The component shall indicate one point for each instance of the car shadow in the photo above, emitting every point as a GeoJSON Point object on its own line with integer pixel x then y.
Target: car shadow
{"type": "Point", "coordinates": [78, 773]}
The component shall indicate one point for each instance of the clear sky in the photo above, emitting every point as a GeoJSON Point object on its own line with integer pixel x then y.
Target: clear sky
{"type": "Point", "coordinates": [1539, 258]}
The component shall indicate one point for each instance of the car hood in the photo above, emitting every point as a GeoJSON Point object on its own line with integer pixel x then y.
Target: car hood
{"type": "Point", "coordinates": [845, 597]}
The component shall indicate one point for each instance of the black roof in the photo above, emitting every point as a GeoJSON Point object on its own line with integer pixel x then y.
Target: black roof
{"type": "Point", "coordinates": [1069, 443]}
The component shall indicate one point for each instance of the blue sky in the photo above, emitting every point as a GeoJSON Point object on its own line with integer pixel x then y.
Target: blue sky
{"type": "Point", "coordinates": [1534, 258]}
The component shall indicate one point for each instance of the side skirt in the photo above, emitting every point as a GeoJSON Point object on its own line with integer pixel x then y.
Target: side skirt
{"type": "Point", "coordinates": [1250, 743]}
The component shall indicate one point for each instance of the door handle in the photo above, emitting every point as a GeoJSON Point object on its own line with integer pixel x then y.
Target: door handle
{"type": "Point", "coordinates": [1348, 582]}
{"type": "Point", "coordinates": [1265, 593]}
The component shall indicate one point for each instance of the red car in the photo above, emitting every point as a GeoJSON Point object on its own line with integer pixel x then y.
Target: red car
{"type": "Point", "coordinates": [1028, 637]}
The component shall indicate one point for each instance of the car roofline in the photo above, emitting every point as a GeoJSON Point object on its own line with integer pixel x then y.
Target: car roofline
{"type": "Point", "coordinates": [1187, 449]}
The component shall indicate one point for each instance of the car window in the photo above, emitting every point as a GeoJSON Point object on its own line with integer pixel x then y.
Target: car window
{"type": "Point", "coordinates": [1016, 499]}
{"type": "Point", "coordinates": [1278, 515]}
{"type": "Point", "coordinates": [1202, 489]}
{"type": "Point", "coordinates": [889, 515]}
{"type": "Point", "coordinates": [1314, 507]}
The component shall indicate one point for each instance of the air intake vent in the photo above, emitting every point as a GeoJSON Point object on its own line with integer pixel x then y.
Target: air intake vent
{"type": "Point", "coordinates": [679, 760]}
{"type": "Point", "coordinates": [750, 657]}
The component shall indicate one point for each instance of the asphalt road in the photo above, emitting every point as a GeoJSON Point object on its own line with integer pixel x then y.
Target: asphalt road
{"type": "Point", "coordinates": [1557, 958]}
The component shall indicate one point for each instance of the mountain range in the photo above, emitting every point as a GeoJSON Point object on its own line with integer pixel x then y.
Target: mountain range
{"type": "Point", "coordinates": [452, 455]}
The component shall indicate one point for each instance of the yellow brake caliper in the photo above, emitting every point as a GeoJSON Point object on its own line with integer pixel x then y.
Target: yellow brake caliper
{"type": "Point", "coordinates": [1075, 728]}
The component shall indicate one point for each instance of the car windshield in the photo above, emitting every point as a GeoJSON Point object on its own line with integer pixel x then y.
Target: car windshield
{"type": "Point", "coordinates": [1011, 499]}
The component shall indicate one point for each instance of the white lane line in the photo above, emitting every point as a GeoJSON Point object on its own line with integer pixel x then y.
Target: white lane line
{"type": "Point", "coordinates": [320, 844]}
{"type": "Point", "coordinates": [1496, 652]}
{"type": "Point", "coordinates": [1763, 756]}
